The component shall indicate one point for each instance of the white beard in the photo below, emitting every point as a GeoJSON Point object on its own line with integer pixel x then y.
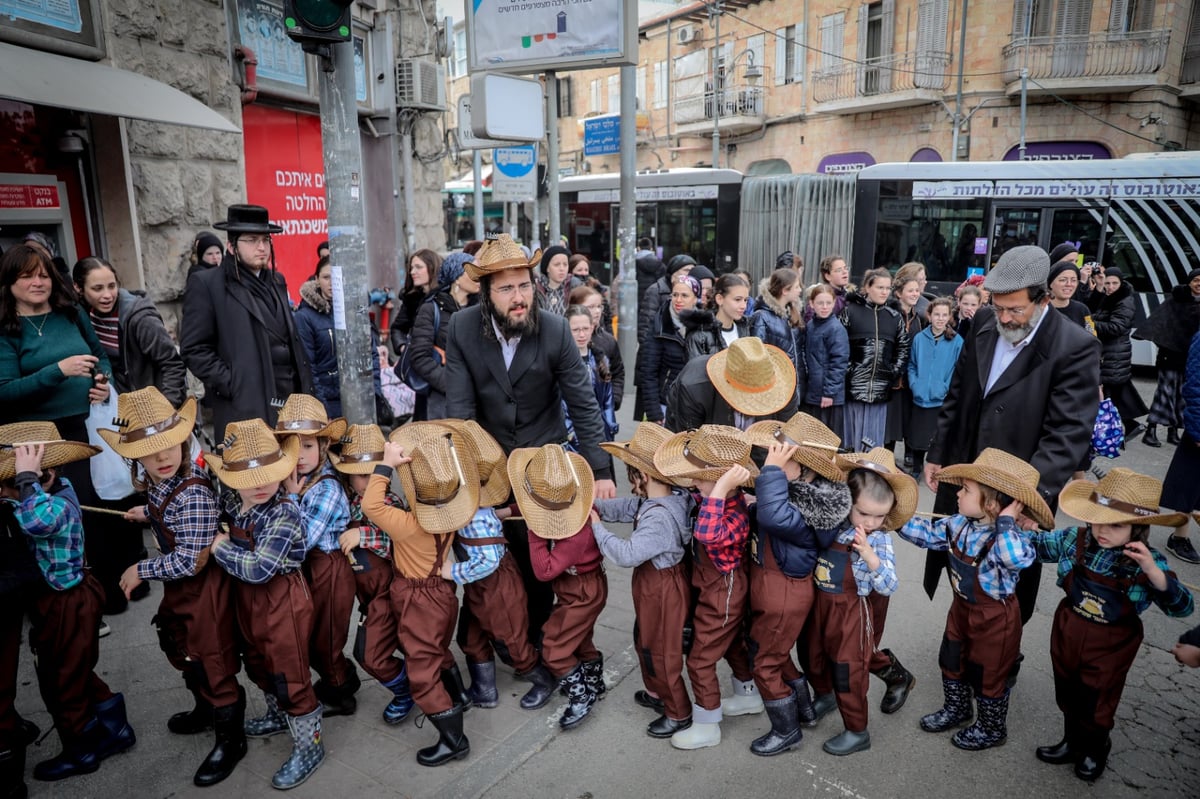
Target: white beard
{"type": "Point", "coordinates": [1021, 333]}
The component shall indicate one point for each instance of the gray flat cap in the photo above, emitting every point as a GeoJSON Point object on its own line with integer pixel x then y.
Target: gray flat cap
{"type": "Point", "coordinates": [1019, 268]}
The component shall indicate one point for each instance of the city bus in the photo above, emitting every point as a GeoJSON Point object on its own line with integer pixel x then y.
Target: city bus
{"type": "Point", "coordinates": [1141, 214]}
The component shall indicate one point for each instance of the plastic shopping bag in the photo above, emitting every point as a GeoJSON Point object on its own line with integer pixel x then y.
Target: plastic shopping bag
{"type": "Point", "coordinates": [1108, 433]}
{"type": "Point", "coordinates": [110, 472]}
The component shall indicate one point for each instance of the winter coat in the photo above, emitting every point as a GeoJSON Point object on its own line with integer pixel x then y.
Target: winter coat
{"type": "Point", "coordinates": [839, 304]}
{"type": "Point", "coordinates": [914, 322]}
{"type": "Point", "coordinates": [604, 398]}
{"type": "Point", "coordinates": [704, 332]}
{"type": "Point", "coordinates": [663, 356]}
{"type": "Point", "coordinates": [770, 322]}
{"type": "Point", "coordinates": [426, 361]}
{"type": "Point", "coordinates": [1191, 390]}
{"type": "Point", "coordinates": [649, 269]}
{"type": "Point", "coordinates": [692, 400]}
{"type": "Point", "coordinates": [556, 300]}
{"type": "Point", "coordinates": [798, 519]}
{"type": "Point", "coordinates": [826, 360]}
{"type": "Point", "coordinates": [652, 302]}
{"type": "Point", "coordinates": [314, 325]}
{"type": "Point", "coordinates": [878, 349]}
{"type": "Point", "coordinates": [405, 318]}
{"type": "Point", "coordinates": [1171, 327]}
{"type": "Point", "coordinates": [931, 365]}
{"type": "Point", "coordinates": [1113, 315]}
{"type": "Point", "coordinates": [148, 354]}
{"type": "Point", "coordinates": [605, 344]}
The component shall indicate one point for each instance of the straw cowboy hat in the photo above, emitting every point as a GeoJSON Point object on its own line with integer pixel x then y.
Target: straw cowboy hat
{"type": "Point", "coordinates": [147, 423]}
{"type": "Point", "coordinates": [251, 455]}
{"type": "Point", "coordinates": [362, 450]}
{"type": "Point", "coordinates": [304, 415]}
{"type": "Point", "coordinates": [639, 451]}
{"type": "Point", "coordinates": [1121, 497]}
{"type": "Point", "coordinates": [705, 454]}
{"type": "Point", "coordinates": [441, 483]}
{"type": "Point", "coordinates": [499, 254]}
{"type": "Point", "coordinates": [883, 463]}
{"type": "Point", "coordinates": [816, 441]}
{"type": "Point", "coordinates": [488, 456]}
{"type": "Point", "coordinates": [553, 489]}
{"type": "Point", "coordinates": [1008, 474]}
{"type": "Point", "coordinates": [756, 379]}
{"type": "Point", "coordinates": [57, 453]}
{"type": "Point", "coordinates": [247, 219]}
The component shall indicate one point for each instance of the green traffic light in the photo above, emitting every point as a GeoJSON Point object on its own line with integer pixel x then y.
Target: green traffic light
{"type": "Point", "coordinates": [344, 31]}
{"type": "Point", "coordinates": [289, 22]}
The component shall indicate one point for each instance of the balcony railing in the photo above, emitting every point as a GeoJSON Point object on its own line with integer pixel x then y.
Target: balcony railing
{"type": "Point", "coordinates": [898, 72]}
{"type": "Point", "coordinates": [734, 102]}
{"type": "Point", "coordinates": [1096, 55]}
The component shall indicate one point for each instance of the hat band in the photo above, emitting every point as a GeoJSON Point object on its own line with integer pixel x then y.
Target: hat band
{"type": "Point", "coordinates": [784, 438]}
{"type": "Point", "coordinates": [697, 461]}
{"type": "Point", "coordinates": [142, 433]}
{"type": "Point", "coordinates": [293, 425]}
{"type": "Point", "coordinates": [547, 504]}
{"type": "Point", "coordinates": [1116, 504]}
{"type": "Point", "coordinates": [437, 502]}
{"type": "Point", "coordinates": [362, 457]}
{"type": "Point", "coordinates": [872, 466]}
{"type": "Point", "coordinates": [740, 386]}
{"type": "Point", "coordinates": [254, 463]}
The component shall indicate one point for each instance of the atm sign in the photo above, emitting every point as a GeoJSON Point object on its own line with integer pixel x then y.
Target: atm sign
{"type": "Point", "coordinates": [16, 196]}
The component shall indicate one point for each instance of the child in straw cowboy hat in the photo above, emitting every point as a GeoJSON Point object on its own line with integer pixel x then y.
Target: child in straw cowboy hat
{"type": "Point", "coordinates": [261, 545]}
{"type": "Point", "coordinates": [802, 497]}
{"type": "Point", "coordinates": [987, 552]}
{"type": "Point", "coordinates": [554, 489]}
{"type": "Point", "coordinates": [441, 485]}
{"type": "Point", "coordinates": [195, 618]}
{"type": "Point", "coordinates": [90, 718]}
{"type": "Point", "coordinates": [1110, 576]}
{"type": "Point", "coordinates": [717, 460]}
{"type": "Point", "coordinates": [859, 563]}
{"type": "Point", "coordinates": [315, 488]}
{"type": "Point", "coordinates": [371, 552]}
{"type": "Point", "coordinates": [661, 512]}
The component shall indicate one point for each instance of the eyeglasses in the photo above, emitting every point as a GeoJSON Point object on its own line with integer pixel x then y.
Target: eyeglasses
{"type": "Point", "coordinates": [507, 291]}
{"type": "Point", "coordinates": [1016, 312]}
{"type": "Point", "coordinates": [255, 241]}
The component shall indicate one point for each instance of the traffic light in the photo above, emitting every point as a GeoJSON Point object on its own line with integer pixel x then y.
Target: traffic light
{"type": "Point", "coordinates": [317, 22]}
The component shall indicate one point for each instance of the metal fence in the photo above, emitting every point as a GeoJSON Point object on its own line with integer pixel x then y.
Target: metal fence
{"type": "Point", "coordinates": [1095, 55]}
{"type": "Point", "coordinates": [897, 72]}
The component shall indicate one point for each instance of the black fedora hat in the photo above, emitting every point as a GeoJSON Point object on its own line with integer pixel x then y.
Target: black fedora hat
{"type": "Point", "coordinates": [247, 219]}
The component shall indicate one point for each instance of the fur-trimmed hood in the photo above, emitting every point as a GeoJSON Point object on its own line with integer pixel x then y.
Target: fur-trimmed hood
{"type": "Point", "coordinates": [310, 293]}
{"type": "Point", "coordinates": [824, 503]}
{"type": "Point", "coordinates": [697, 319]}
{"type": "Point", "coordinates": [770, 302]}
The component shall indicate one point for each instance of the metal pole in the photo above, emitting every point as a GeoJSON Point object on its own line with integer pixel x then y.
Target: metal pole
{"type": "Point", "coordinates": [1025, 75]}
{"type": "Point", "coordinates": [627, 219]}
{"type": "Point", "coordinates": [535, 241]}
{"type": "Point", "coordinates": [715, 12]}
{"type": "Point", "coordinates": [406, 160]}
{"type": "Point", "coordinates": [347, 233]}
{"type": "Point", "coordinates": [552, 157]}
{"type": "Point", "coordinates": [477, 170]}
{"type": "Point", "coordinates": [958, 95]}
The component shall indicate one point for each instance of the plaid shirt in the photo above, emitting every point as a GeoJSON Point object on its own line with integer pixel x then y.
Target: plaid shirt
{"type": "Point", "coordinates": [192, 517]}
{"type": "Point", "coordinates": [1059, 545]}
{"type": "Point", "coordinates": [882, 581]}
{"type": "Point", "coordinates": [999, 570]}
{"type": "Point", "coordinates": [483, 559]}
{"type": "Point", "coordinates": [278, 539]}
{"type": "Point", "coordinates": [54, 522]}
{"type": "Point", "coordinates": [370, 537]}
{"type": "Point", "coordinates": [723, 527]}
{"type": "Point", "coordinates": [325, 509]}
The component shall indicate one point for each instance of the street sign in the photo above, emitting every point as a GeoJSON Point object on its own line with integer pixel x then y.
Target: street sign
{"type": "Point", "coordinates": [507, 107]}
{"type": "Point", "coordinates": [602, 135]}
{"type": "Point", "coordinates": [514, 173]}
{"type": "Point", "coordinates": [467, 140]}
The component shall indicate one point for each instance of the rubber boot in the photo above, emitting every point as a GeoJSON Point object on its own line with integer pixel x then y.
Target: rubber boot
{"type": "Point", "coordinates": [745, 701]}
{"type": "Point", "coordinates": [29, 732]}
{"type": "Point", "coordinates": [955, 712]}
{"type": "Point", "coordinates": [451, 743]}
{"type": "Point", "coordinates": [111, 713]}
{"type": "Point", "coordinates": [580, 699]}
{"type": "Point", "coordinates": [823, 705]}
{"type": "Point", "coordinates": [483, 691]}
{"type": "Point", "coordinates": [402, 702]}
{"type": "Point", "coordinates": [785, 731]}
{"type": "Point", "coordinates": [804, 702]}
{"type": "Point", "coordinates": [1065, 751]}
{"type": "Point", "coordinates": [990, 729]}
{"type": "Point", "coordinates": [79, 755]}
{"type": "Point", "coordinates": [542, 690]}
{"type": "Point", "coordinates": [194, 721]}
{"type": "Point", "coordinates": [273, 722]}
{"type": "Point", "coordinates": [1093, 755]}
{"type": "Point", "coordinates": [12, 774]}
{"type": "Point", "coordinates": [230, 746]}
{"type": "Point", "coordinates": [1172, 436]}
{"type": "Point", "coordinates": [308, 751]}
{"type": "Point", "coordinates": [848, 742]}
{"type": "Point", "coordinates": [593, 675]}
{"type": "Point", "coordinates": [705, 730]}
{"type": "Point", "coordinates": [452, 681]}
{"type": "Point", "coordinates": [339, 700]}
{"type": "Point", "coordinates": [899, 682]}
{"type": "Point", "coordinates": [1151, 437]}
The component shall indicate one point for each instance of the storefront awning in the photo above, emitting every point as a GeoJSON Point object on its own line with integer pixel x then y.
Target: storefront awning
{"type": "Point", "coordinates": [41, 78]}
{"type": "Point", "coordinates": [465, 183]}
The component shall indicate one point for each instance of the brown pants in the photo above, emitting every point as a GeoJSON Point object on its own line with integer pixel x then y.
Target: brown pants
{"type": "Point", "coordinates": [376, 642]}
{"type": "Point", "coordinates": [660, 602]}
{"type": "Point", "coordinates": [567, 634]}
{"type": "Point", "coordinates": [499, 612]}
{"type": "Point", "coordinates": [1091, 662]}
{"type": "Point", "coordinates": [66, 650]}
{"type": "Point", "coordinates": [427, 609]}
{"type": "Point", "coordinates": [720, 629]}
{"type": "Point", "coordinates": [12, 616]}
{"type": "Point", "coordinates": [331, 582]}
{"type": "Point", "coordinates": [779, 606]}
{"type": "Point", "coordinates": [981, 643]}
{"type": "Point", "coordinates": [195, 623]}
{"type": "Point", "coordinates": [839, 653]}
{"type": "Point", "coordinates": [878, 605]}
{"type": "Point", "coordinates": [275, 619]}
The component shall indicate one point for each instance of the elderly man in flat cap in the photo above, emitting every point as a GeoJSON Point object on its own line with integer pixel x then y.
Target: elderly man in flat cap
{"type": "Point", "coordinates": [1027, 383]}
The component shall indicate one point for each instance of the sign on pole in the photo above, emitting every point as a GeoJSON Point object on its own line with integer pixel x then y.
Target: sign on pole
{"type": "Point", "coordinates": [467, 140]}
{"type": "Point", "coordinates": [514, 173]}
{"type": "Point", "coordinates": [602, 135]}
{"type": "Point", "coordinates": [537, 36]}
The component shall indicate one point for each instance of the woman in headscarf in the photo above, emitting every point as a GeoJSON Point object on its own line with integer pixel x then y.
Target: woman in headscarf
{"type": "Point", "coordinates": [455, 291]}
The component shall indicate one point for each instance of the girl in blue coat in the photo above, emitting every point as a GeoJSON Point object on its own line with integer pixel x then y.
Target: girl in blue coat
{"type": "Point", "coordinates": [826, 359]}
{"type": "Point", "coordinates": [777, 318]}
{"type": "Point", "coordinates": [935, 351]}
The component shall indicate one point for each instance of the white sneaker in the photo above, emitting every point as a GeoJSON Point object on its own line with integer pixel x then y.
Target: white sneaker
{"type": "Point", "coordinates": [746, 701]}
{"type": "Point", "coordinates": [103, 630]}
{"type": "Point", "coordinates": [697, 736]}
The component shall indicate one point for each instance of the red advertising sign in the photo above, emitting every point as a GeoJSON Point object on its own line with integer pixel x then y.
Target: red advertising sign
{"type": "Point", "coordinates": [285, 173]}
{"type": "Point", "coordinates": [19, 196]}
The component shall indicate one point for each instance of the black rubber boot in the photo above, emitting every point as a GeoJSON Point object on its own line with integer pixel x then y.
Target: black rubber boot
{"type": "Point", "coordinates": [12, 774]}
{"type": "Point", "coordinates": [1093, 755]}
{"type": "Point", "coordinates": [194, 721]}
{"type": "Point", "coordinates": [452, 681]}
{"type": "Point", "coordinates": [899, 682]}
{"type": "Point", "coordinates": [111, 713]}
{"type": "Point", "coordinates": [451, 744]}
{"type": "Point", "coordinates": [483, 684]}
{"type": "Point", "coordinates": [580, 699]}
{"type": "Point", "coordinates": [1172, 436]}
{"type": "Point", "coordinates": [1151, 437]}
{"type": "Point", "coordinates": [542, 690]}
{"type": "Point", "coordinates": [990, 729]}
{"type": "Point", "coordinates": [785, 731]}
{"type": "Point", "coordinates": [1065, 751]}
{"type": "Point", "coordinates": [956, 711]}
{"type": "Point", "coordinates": [230, 747]}
{"type": "Point", "coordinates": [80, 755]}
{"type": "Point", "coordinates": [339, 700]}
{"type": "Point", "coordinates": [593, 675]}
{"type": "Point", "coordinates": [804, 702]}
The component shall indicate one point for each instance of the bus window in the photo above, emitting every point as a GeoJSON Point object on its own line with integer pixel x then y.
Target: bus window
{"type": "Point", "coordinates": [1079, 225]}
{"type": "Point", "coordinates": [1014, 227]}
{"type": "Point", "coordinates": [1154, 243]}
{"type": "Point", "coordinates": [941, 234]}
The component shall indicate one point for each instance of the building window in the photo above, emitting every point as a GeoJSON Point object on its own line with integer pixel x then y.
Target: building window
{"type": "Point", "coordinates": [1033, 15]}
{"type": "Point", "coordinates": [594, 97]}
{"type": "Point", "coordinates": [639, 85]}
{"type": "Point", "coordinates": [614, 94]}
{"type": "Point", "coordinates": [566, 97]}
{"type": "Point", "coordinates": [876, 33]}
{"type": "Point", "coordinates": [458, 63]}
{"type": "Point", "coordinates": [833, 33]}
{"type": "Point", "coordinates": [1129, 16]}
{"type": "Point", "coordinates": [789, 54]}
{"type": "Point", "coordinates": [661, 84]}
{"type": "Point", "coordinates": [933, 21]}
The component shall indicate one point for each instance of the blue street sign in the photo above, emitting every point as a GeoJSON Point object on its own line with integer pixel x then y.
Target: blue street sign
{"type": "Point", "coordinates": [602, 135]}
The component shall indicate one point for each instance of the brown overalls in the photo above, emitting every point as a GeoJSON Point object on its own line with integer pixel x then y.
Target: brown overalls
{"type": "Point", "coordinates": [427, 608]}
{"type": "Point", "coordinates": [779, 606]}
{"type": "Point", "coordinates": [332, 585]}
{"type": "Point", "coordinates": [375, 640]}
{"type": "Point", "coordinates": [720, 627]}
{"type": "Point", "coordinates": [567, 635]}
{"type": "Point", "coordinates": [660, 603]}
{"type": "Point", "coordinates": [498, 614]}
{"type": "Point", "coordinates": [840, 648]}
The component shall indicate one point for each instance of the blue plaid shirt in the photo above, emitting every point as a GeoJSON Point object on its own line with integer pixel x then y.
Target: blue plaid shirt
{"type": "Point", "coordinates": [278, 539]}
{"type": "Point", "coordinates": [883, 581]}
{"type": "Point", "coordinates": [484, 559]}
{"type": "Point", "coordinates": [1059, 545]}
{"type": "Point", "coordinates": [54, 524]}
{"type": "Point", "coordinates": [192, 517]}
{"type": "Point", "coordinates": [999, 570]}
{"type": "Point", "coordinates": [325, 509]}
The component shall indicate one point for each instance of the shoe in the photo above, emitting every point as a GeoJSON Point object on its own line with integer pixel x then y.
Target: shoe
{"type": "Point", "coordinates": [745, 701]}
{"type": "Point", "coordinates": [804, 703]}
{"type": "Point", "coordinates": [1094, 758]}
{"type": "Point", "coordinates": [990, 729]}
{"type": "Point", "coordinates": [140, 593]}
{"type": "Point", "coordinates": [111, 713]}
{"type": "Point", "coordinates": [956, 711]}
{"type": "Point", "coordinates": [580, 699]}
{"type": "Point", "coordinates": [194, 721]}
{"type": "Point", "coordinates": [308, 751]}
{"type": "Point", "coordinates": [698, 736]}
{"type": "Point", "coordinates": [12, 773]}
{"type": "Point", "coordinates": [899, 682]}
{"type": "Point", "coordinates": [1065, 751]}
{"type": "Point", "coordinates": [1182, 547]}
{"type": "Point", "coordinates": [663, 727]}
{"type": "Point", "coordinates": [644, 699]}
{"type": "Point", "coordinates": [339, 700]}
{"type": "Point", "coordinates": [1151, 437]}
{"type": "Point", "coordinates": [593, 675]}
{"type": "Point", "coordinates": [542, 690]}
{"type": "Point", "coordinates": [230, 746]}
{"type": "Point", "coordinates": [103, 631]}
{"type": "Point", "coordinates": [785, 731]}
{"type": "Point", "coordinates": [29, 732]}
{"type": "Point", "coordinates": [483, 691]}
{"type": "Point", "coordinates": [402, 702]}
{"type": "Point", "coordinates": [1137, 430]}
{"type": "Point", "coordinates": [1172, 436]}
{"type": "Point", "coordinates": [451, 743]}
{"type": "Point", "coordinates": [823, 705]}
{"type": "Point", "coordinates": [847, 743]}
{"type": "Point", "coordinates": [79, 755]}
{"type": "Point", "coordinates": [452, 681]}
{"type": "Point", "coordinates": [273, 722]}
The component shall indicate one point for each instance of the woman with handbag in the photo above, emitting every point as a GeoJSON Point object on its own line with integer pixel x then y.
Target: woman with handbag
{"type": "Point", "coordinates": [427, 346]}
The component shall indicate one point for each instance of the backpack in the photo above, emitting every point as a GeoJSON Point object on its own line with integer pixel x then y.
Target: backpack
{"type": "Point", "coordinates": [404, 370]}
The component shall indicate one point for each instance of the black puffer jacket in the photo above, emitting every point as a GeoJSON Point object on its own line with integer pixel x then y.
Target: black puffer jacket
{"type": "Point", "coordinates": [704, 332]}
{"type": "Point", "coordinates": [661, 358]}
{"type": "Point", "coordinates": [428, 341]}
{"type": "Point", "coordinates": [1113, 315]}
{"type": "Point", "coordinates": [1171, 326]}
{"type": "Point", "coordinates": [878, 349]}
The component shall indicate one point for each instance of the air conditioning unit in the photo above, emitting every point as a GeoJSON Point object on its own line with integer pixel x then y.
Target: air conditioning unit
{"type": "Point", "coordinates": [420, 85]}
{"type": "Point", "coordinates": [687, 34]}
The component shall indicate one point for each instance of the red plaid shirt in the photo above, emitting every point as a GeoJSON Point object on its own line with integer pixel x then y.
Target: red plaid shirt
{"type": "Point", "coordinates": [370, 536]}
{"type": "Point", "coordinates": [723, 527]}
